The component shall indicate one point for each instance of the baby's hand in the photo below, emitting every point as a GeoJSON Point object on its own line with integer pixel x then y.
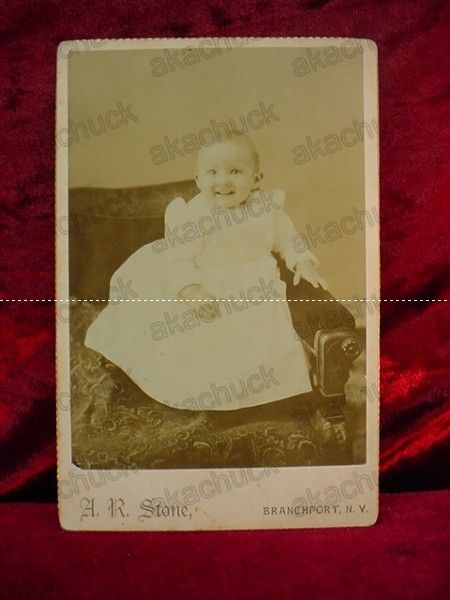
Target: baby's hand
{"type": "Point", "coordinates": [305, 269]}
{"type": "Point", "coordinates": [195, 292]}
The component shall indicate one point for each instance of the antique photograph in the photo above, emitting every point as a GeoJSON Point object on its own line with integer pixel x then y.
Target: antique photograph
{"type": "Point", "coordinates": [216, 238]}
{"type": "Point", "coordinates": [224, 300]}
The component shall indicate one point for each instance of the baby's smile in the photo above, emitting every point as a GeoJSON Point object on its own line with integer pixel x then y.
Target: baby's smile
{"type": "Point", "coordinates": [227, 172]}
{"type": "Point", "coordinates": [229, 193]}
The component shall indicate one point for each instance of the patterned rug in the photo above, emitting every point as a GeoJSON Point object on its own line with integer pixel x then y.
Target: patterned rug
{"type": "Point", "coordinates": [124, 428]}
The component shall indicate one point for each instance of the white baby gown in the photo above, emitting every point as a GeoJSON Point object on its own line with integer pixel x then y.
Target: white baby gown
{"type": "Point", "coordinates": [231, 354]}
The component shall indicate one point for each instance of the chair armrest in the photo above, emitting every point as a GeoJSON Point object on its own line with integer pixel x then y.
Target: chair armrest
{"type": "Point", "coordinates": [335, 352]}
{"type": "Point", "coordinates": [327, 330]}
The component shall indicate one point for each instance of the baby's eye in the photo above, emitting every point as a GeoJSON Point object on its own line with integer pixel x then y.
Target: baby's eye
{"type": "Point", "coordinates": [212, 172]}
{"type": "Point", "coordinates": [235, 171]}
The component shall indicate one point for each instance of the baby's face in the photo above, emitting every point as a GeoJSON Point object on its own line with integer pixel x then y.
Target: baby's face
{"type": "Point", "coordinates": [227, 173]}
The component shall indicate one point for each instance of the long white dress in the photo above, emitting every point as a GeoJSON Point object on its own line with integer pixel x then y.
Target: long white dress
{"type": "Point", "coordinates": [232, 354]}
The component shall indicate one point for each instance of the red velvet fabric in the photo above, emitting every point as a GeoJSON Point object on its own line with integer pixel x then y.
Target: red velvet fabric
{"type": "Point", "coordinates": [407, 557]}
{"type": "Point", "coordinates": [414, 74]}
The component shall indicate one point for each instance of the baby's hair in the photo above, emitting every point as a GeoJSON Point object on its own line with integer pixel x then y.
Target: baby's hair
{"type": "Point", "coordinates": [241, 139]}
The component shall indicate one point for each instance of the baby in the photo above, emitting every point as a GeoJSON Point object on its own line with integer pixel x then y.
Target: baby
{"type": "Point", "coordinates": [233, 360]}
{"type": "Point", "coordinates": [227, 173]}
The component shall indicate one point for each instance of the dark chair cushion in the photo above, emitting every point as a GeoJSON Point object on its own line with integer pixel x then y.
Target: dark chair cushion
{"type": "Point", "coordinates": [108, 225]}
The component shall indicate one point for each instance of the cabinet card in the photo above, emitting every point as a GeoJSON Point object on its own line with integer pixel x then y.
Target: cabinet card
{"type": "Point", "coordinates": [217, 308]}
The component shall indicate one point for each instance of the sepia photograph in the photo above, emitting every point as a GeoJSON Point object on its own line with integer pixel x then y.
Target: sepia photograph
{"type": "Point", "coordinates": [218, 228]}
{"type": "Point", "coordinates": [224, 299]}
